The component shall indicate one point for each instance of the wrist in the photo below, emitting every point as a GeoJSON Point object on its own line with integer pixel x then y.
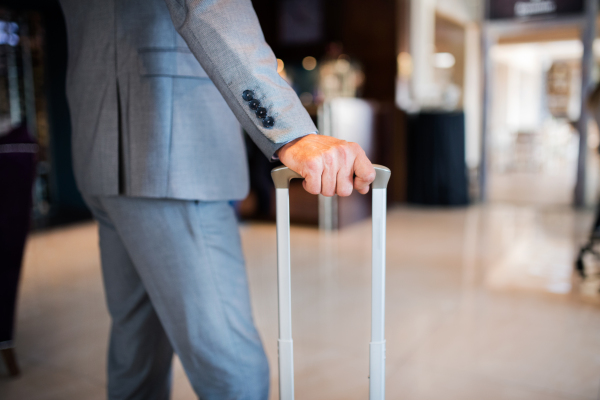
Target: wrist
{"type": "Point", "coordinates": [286, 146]}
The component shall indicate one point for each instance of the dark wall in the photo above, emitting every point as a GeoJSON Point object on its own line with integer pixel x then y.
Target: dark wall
{"type": "Point", "coordinates": [366, 29]}
{"type": "Point", "coordinates": [369, 33]}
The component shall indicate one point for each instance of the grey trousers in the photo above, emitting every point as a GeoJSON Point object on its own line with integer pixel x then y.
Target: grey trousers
{"type": "Point", "coordinates": [175, 280]}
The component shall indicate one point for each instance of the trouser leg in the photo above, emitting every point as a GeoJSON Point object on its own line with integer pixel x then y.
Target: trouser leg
{"type": "Point", "coordinates": [188, 256]}
{"type": "Point", "coordinates": [140, 354]}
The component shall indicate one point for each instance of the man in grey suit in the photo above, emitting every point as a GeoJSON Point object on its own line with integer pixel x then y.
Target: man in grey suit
{"type": "Point", "coordinates": [156, 89]}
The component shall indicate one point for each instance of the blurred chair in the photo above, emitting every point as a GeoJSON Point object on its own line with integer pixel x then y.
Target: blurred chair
{"type": "Point", "coordinates": [17, 171]}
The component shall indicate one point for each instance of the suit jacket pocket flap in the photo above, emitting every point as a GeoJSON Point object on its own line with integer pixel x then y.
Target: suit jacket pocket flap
{"type": "Point", "coordinates": [175, 62]}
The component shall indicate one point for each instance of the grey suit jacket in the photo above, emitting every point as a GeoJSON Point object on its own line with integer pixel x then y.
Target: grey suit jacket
{"type": "Point", "coordinates": [155, 93]}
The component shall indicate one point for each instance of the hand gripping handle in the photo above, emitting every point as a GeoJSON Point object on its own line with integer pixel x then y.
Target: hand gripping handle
{"type": "Point", "coordinates": [282, 177]}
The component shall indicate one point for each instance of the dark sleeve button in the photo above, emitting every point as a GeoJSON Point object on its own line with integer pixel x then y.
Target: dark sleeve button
{"type": "Point", "coordinates": [261, 112]}
{"type": "Point", "coordinates": [254, 104]}
{"type": "Point", "coordinates": [248, 95]}
{"type": "Point", "coordinates": [268, 122]}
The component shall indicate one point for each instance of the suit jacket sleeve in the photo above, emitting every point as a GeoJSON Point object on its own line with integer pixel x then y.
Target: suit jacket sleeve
{"type": "Point", "coordinates": [227, 40]}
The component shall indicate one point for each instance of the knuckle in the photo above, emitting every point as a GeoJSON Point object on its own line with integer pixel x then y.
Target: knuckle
{"type": "Point", "coordinates": [326, 191]}
{"type": "Point", "coordinates": [344, 152]}
{"type": "Point", "coordinates": [345, 191]}
{"type": "Point", "coordinates": [328, 158]}
{"type": "Point", "coordinates": [310, 188]}
{"type": "Point", "coordinates": [371, 176]}
{"type": "Point", "coordinates": [313, 166]}
{"type": "Point", "coordinates": [355, 147]}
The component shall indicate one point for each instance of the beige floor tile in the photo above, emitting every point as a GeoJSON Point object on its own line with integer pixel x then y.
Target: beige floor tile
{"type": "Point", "coordinates": [182, 390]}
{"type": "Point", "coordinates": [419, 382]}
{"type": "Point", "coordinates": [42, 382]}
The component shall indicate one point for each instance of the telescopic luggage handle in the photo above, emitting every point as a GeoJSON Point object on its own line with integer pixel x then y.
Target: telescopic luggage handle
{"type": "Point", "coordinates": [282, 177]}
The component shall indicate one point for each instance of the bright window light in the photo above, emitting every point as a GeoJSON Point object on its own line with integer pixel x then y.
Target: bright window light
{"type": "Point", "coordinates": [443, 60]}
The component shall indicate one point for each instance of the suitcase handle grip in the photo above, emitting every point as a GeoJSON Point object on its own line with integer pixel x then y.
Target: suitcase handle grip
{"type": "Point", "coordinates": [283, 175]}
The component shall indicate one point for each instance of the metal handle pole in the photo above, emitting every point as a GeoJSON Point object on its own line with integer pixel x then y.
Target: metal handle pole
{"type": "Point", "coordinates": [377, 345]}
{"type": "Point", "coordinates": [281, 177]}
{"type": "Point", "coordinates": [285, 343]}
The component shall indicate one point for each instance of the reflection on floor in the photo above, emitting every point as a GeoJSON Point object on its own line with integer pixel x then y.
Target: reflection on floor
{"type": "Point", "coordinates": [481, 304]}
{"type": "Point", "coordinates": [533, 188]}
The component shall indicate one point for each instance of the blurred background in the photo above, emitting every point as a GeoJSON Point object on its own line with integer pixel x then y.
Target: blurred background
{"type": "Point", "coordinates": [485, 111]}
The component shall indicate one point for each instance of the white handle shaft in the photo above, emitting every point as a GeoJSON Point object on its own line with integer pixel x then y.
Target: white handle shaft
{"type": "Point", "coordinates": [377, 345]}
{"type": "Point", "coordinates": [284, 289]}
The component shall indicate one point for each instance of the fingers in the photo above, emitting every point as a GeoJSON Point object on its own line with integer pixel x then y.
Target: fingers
{"type": "Point", "coordinates": [345, 175]}
{"type": "Point", "coordinates": [365, 173]}
{"type": "Point", "coordinates": [338, 171]}
{"type": "Point", "coordinates": [330, 170]}
{"type": "Point", "coordinates": [312, 177]}
{"type": "Point", "coordinates": [328, 165]}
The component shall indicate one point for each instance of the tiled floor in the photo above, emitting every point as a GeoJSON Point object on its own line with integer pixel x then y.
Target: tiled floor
{"type": "Point", "coordinates": [533, 188]}
{"type": "Point", "coordinates": [481, 304]}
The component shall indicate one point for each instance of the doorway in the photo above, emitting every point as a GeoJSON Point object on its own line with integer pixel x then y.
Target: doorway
{"type": "Point", "coordinates": [535, 103]}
